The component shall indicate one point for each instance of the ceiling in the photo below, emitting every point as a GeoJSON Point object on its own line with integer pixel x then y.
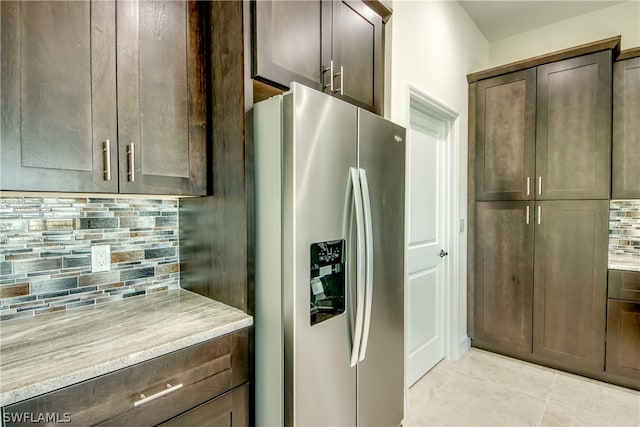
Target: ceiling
{"type": "Point", "coordinates": [500, 19]}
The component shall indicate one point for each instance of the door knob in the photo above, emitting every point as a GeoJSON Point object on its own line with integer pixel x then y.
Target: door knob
{"type": "Point", "coordinates": [443, 253]}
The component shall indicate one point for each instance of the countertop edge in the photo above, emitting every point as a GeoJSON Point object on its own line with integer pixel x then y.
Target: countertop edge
{"type": "Point", "coordinates": [624, 267]}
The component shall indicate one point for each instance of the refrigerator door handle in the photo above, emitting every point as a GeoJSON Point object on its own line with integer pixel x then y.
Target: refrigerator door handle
{"type": "Point", "coordinates": [357, 326]}
{"type": "Point", "coordinates": [364, 184]}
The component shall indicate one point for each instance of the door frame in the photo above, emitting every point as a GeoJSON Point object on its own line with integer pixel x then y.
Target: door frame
{"type": "Point", "coordinates": [418, 102]}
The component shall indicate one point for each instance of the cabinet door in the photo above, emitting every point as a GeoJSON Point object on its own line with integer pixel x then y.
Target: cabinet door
{"type": "Point", "coordinates": [356, 49]}
{"type": "Point", "coordinates": [573, 136]}
{"type": "Point", "coordinates": [505, 135]}
{"type": "Point", "coordinates": [624, 285]}
{"type": "Point", "coordinates": [161, 97]}
{"type": "Point", "coordinates": [287, 43]}
{"type": "Point", "coordinates": [570, 283]}
{"type": "Point", "coordinates": [626, 129]}
{"type": "Point", "coordinates": [623, 339]}
{"type": "Point", "coordinates": [228, 410]}
{"type": "Point", "coordinates": [58, 96]}
{"type": "Point", "coordinates": [504, 276]}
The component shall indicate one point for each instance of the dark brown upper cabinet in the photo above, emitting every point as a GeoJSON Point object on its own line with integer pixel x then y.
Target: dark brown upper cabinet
{"type": "Point", "coordinates": [287, 42]}
{"type": "Point", "coordinates": [356, 55]}
{"type": "Point", "coordinates": [573, 134]}
{"type": "Point", "coordinates": [161, 97]}
{"type": "Point", "coordinates": [544, 133]}
{"type": "Point", "coordinates": [59, 123]}
{"type": "Point", "coordinates": [334, 46]}
{"type": "Point", "coordinates": [626, 129]}
{"type": "Point", "coordinates": [505, 136]}
{"type": "Point", "coordinates": [103, 96]}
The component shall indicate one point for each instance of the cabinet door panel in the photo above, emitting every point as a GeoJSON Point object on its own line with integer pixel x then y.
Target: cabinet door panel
{"type": "Point", "coordinates": [626, 129]}
{"type": "Point", "coordinates": [624, 285]}
{"type": "Point", "coordinates": [573, 137]}
{"type": "Point", "coordinates": [623, 339]}
{"type": "Point", "coordinates": [161, 97]}
{"type": "Point", "coordinates": [357, 47]}
{"type": "Point", "coordinates": [58, 103]}
{"type": "Point", "coordinates": [287, 42]}
{"type": "Point", "coordinates": [503, 276]}
{"type": "Point", "coordinates": [505, 132]}
{"type": "Point", "coordinates": [570, 283]}
{"type": "Point", "coordinates": [228, 410]}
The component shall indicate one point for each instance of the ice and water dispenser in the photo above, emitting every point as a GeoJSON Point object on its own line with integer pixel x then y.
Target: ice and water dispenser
{"type": "Point", "coordinates": [327, 280]}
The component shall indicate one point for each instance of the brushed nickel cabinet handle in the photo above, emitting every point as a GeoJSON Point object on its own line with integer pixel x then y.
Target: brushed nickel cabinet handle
{"type": "Point", "coordinates": [131, 160]}
{"type": "Point", "coordinates": [341, 74]}
{"type": "Point", "coordinates": [540, 185]}
{"type": "Point", "coordinates": [539, 214]}
{"type": "Point", "coordinates": [528, 215]}
{"type": "Point", "coordinates": [528, 186]}
{"type": "Point", "coordinates": [330, 70]}
{"type": "Point", "coordinates": [106, 160]}
{"type": "Point", "coordinates": [144, 399]}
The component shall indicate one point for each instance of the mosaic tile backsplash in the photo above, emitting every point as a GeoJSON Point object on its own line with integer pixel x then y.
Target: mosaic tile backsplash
{"type": "Point", "coordinates": [45, 251]}
{"type": "Point", "coordinates": [624, 235]}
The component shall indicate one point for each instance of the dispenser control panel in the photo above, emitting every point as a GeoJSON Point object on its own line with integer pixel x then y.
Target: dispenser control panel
{"type": "Point", "coordinates": [327, 280]}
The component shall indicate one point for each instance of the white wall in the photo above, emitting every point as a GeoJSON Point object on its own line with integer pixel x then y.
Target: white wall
{"type": "Point", "coordinates": [433, 45]}
{"type": "Point", "coordinates": [622, 19]}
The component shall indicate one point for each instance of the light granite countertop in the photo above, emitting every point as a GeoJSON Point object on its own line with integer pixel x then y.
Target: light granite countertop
{"type": "Point", "coordinates": [49, 351]}
{"type": "Point", "coordinates": [633, 265]}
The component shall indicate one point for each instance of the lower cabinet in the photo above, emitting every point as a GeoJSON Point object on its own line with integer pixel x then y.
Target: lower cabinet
{"type": "Point", "coordinates": [204, 379]}
{"type": "Point", "coordinates": [504, 276]}
{"type": "Point", "coordinates": [623, 338]}
{"type": "Point", "coordinates": [540, 281]}
{"type": "Point", "coordinates": [570, 283]}
{"type": "Point", "coordinates": [229, 410]}
{"type": "Point", "coordinates": [623, 325]}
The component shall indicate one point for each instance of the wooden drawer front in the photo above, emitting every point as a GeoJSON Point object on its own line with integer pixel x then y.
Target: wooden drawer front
{"type": "Point", "coordinates": [624, 285]}
{"type": "Point", "coordinates": [623, 339]}
{"type": "Point", "coordinates": [204, 370]}
{"type": "Point", "coordinates": [228, 410]}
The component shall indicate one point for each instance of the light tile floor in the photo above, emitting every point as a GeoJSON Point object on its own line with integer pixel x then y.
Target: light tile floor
{"type": "Point", "coordinates": [486, 389]}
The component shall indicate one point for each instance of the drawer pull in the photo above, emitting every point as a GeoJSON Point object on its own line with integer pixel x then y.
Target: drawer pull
{"type": "Point", "coordinates": [144, 399]}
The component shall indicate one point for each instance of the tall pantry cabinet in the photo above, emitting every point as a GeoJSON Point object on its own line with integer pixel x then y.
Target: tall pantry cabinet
{"type": "Point", "coordinates": [539, 150]}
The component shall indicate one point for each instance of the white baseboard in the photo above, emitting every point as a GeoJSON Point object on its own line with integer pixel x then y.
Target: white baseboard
{"type": "Point", "coordinates": [463, 346]}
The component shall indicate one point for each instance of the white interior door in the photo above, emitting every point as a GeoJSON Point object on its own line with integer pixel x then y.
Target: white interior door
{"type": "Point", "coordinates": [427, 177]}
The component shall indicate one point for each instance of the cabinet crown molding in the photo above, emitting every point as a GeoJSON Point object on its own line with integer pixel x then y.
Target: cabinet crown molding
{"type": "Point", "coordinates": [611, 43]}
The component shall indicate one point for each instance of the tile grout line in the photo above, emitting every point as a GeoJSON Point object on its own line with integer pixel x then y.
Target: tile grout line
{"type": "Point", "coordinates": [546, 403]}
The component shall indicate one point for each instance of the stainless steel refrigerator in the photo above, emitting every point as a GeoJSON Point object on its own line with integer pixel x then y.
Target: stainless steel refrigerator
{"type": "Point", "coordinates": [329, 319]}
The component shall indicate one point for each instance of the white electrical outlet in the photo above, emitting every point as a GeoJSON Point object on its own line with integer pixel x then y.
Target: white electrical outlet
{"type": "Point", "coordinates": [100, 258]}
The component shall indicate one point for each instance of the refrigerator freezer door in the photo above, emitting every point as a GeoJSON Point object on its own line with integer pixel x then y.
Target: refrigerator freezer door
{"type": "Point", "coordinates": [319, 150]}
{"type": "Point", "coordinates": [381, 373]}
